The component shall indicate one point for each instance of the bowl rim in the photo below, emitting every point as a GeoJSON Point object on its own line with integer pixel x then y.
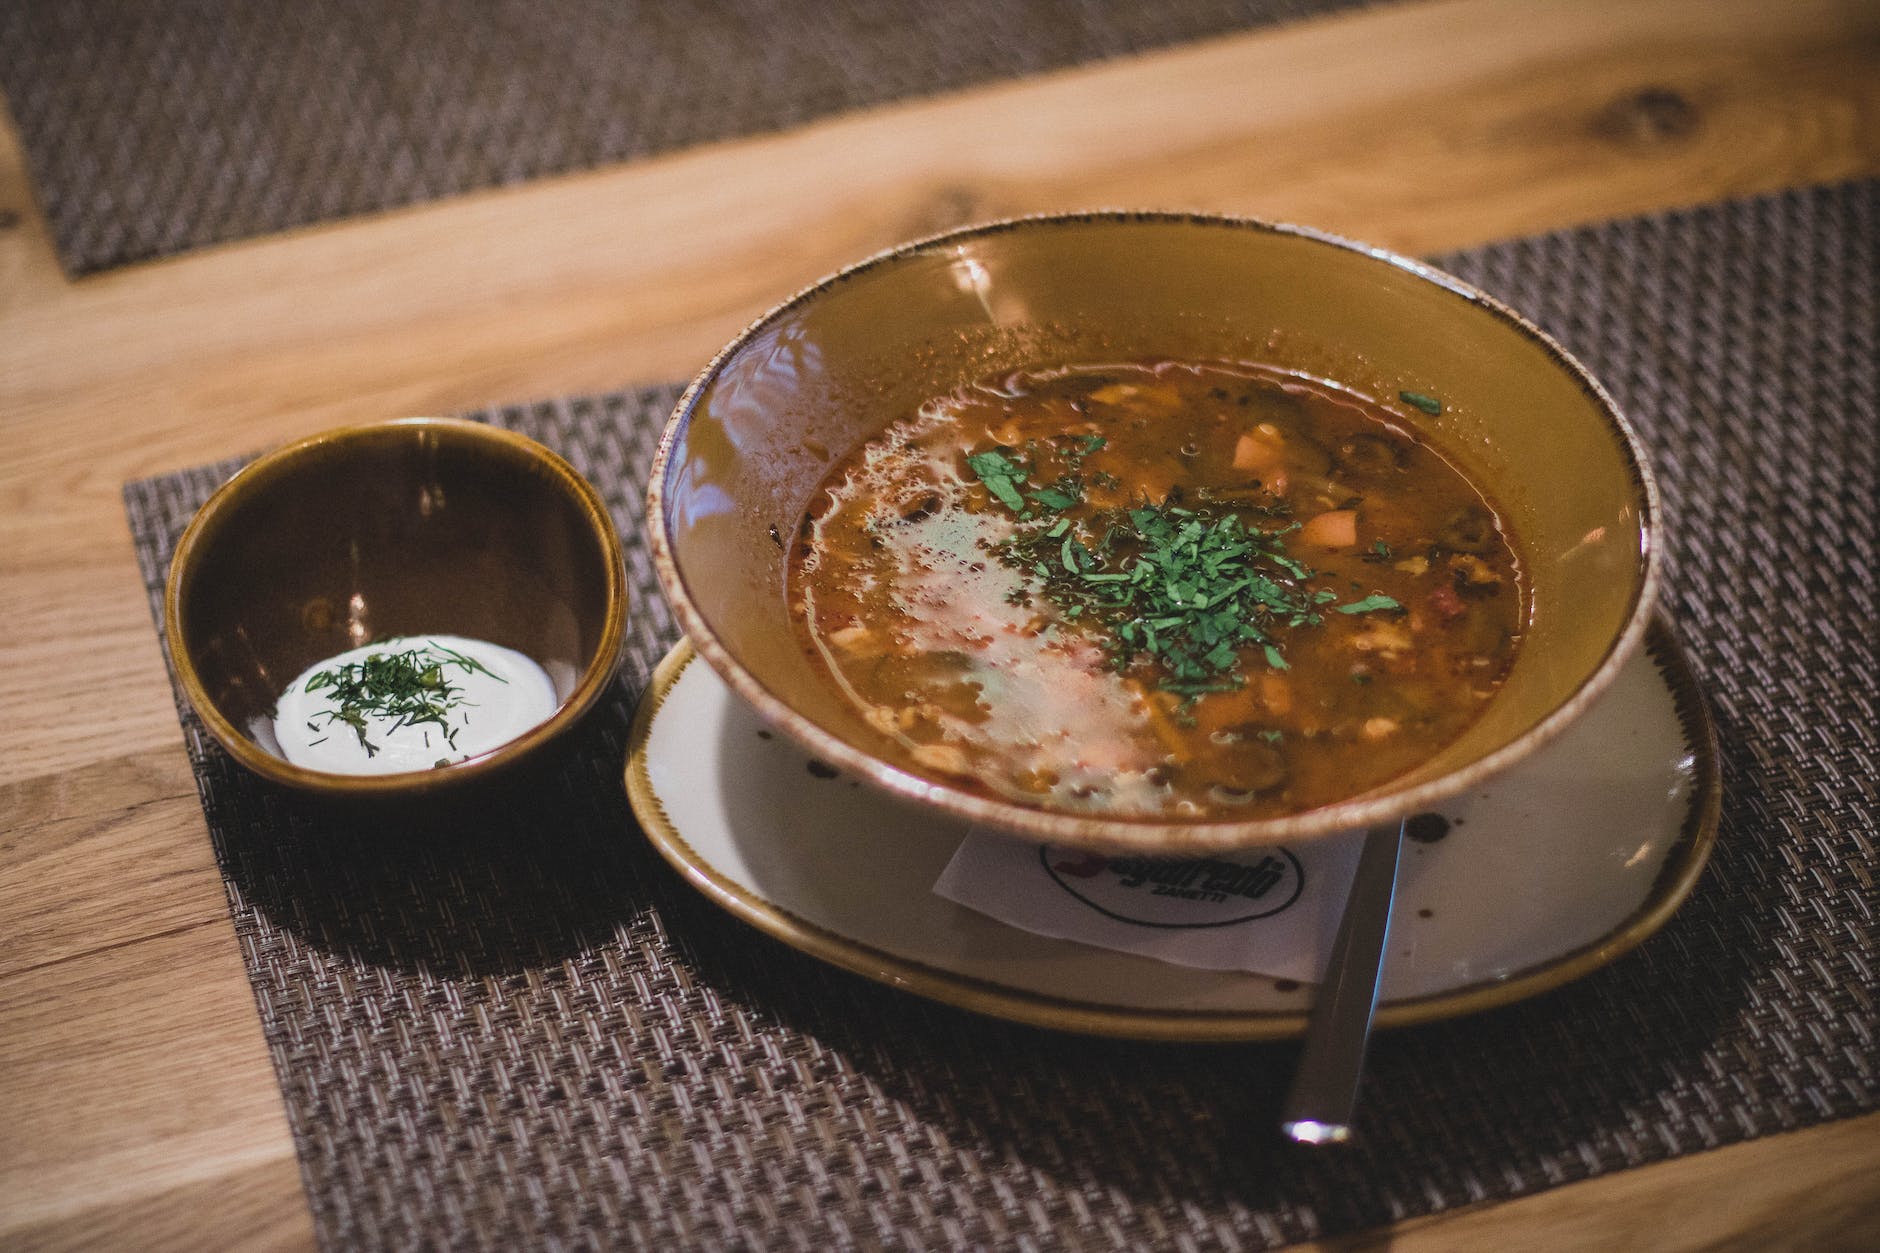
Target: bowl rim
{"type": "Point", "coordinates": [269, 468]}
{"type": "Point", "coordinates": [1382, 804]}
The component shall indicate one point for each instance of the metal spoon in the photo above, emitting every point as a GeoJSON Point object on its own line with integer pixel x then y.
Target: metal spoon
{"type": "Point", "coordinates": [1325, 1087]}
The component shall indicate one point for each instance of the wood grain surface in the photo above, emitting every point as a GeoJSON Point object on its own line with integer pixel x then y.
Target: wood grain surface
{"type": "Point", "coordinates": [140, 1106]}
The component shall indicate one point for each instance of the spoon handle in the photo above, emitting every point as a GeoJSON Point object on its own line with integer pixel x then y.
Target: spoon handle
{"type": "Point", "coordinates": [1325, 1087]}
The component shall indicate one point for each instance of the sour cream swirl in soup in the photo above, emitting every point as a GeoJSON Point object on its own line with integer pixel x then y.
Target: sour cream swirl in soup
{"type": "Point", "coordinates": [413, 703]}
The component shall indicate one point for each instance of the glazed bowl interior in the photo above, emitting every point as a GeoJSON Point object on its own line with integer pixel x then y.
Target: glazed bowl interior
{"type": "Point", "coordinates": [409, 527]}
{"type": "Point", "coordinates": [763, 426]}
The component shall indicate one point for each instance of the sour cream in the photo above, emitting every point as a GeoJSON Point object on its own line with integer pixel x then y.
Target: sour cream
{"type": "Point", "coordinates": [481, 695]}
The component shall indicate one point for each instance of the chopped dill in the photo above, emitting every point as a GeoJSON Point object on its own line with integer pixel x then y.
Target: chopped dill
{"type": "Point", "coordinates": [408, 685]}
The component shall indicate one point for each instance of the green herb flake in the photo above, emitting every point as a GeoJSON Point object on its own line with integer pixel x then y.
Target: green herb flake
{"type": "Point", "coordinates": [1370, 604]}
{"type": "Point", "coordinates": [1420, 400]}
{"type": "Point", "coordinates": [1001, 475]}
{"type": "Point", "coordinates": [1188, 591]}
{"type": "Point", "coordinates": [408, 686]}
{"type": "Point", "coordinates": [1052, 498]}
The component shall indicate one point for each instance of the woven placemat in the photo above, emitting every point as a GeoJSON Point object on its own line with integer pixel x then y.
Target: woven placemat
{"type": "Point", "coordinates": [519, 1028]}
{"type": "Point", "coordinates": [151, 129]}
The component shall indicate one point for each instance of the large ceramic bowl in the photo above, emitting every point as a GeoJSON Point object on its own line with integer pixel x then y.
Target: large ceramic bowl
{"type": "Point", "coordinates": [410, 527]}
{"type": "Point", "coordinates": [758, 431]}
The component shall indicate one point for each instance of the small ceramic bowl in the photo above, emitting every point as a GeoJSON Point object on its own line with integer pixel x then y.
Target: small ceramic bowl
{"type": "Point", "coordinates": [407, 527]}
{"type": "Point", "coordinates": [756, 434]}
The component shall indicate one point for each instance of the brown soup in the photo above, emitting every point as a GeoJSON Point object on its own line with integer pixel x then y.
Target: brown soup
{"type": "Point", "coordinates": [1164, 589]}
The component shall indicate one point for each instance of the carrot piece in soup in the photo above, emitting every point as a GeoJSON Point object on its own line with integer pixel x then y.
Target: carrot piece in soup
{"type": "Point", "coordinates": [1258, 455]}
{"type": "Point", "coordinates": [1336, 528]}
{"type": "Point", "coordinates": [1224, 710]}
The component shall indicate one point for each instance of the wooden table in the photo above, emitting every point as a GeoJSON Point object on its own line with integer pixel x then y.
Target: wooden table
{"type": "Point", "coordinates": [137, 1103]}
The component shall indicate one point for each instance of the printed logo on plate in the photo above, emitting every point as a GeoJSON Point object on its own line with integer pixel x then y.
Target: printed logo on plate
{"type": "Point", "coordinates": [1179, 891]}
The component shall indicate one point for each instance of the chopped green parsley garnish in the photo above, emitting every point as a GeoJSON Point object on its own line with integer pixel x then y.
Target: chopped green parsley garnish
{"type": "Point", "coordinates": [1184, 589]}
{"type": "Point", "coordinates": [1181, 588]}
{"type": "Point", "coordinates": [1427, 403]}
{"type": "Point", "coordinates": [1001, 475]}
{"type": "Point", "coordinates": [1052, 498]}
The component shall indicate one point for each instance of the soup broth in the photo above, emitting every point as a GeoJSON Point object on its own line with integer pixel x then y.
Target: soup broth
{"type": "Point", "coordinates": [1166, 589]}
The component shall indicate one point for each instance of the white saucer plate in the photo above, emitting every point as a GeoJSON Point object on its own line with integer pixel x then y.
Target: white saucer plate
{"type": "Point", "coordinates": [1550, 871]}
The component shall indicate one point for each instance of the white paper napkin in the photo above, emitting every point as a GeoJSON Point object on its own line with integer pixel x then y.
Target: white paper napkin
{"type": "Point", "coordinates": [1270, 911]}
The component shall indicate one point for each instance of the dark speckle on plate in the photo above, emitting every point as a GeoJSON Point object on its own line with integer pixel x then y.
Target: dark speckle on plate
{"type": "Point", "coordinates": [1426, 828]}
{"type": "Point", "coordinates": [821, 769]}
